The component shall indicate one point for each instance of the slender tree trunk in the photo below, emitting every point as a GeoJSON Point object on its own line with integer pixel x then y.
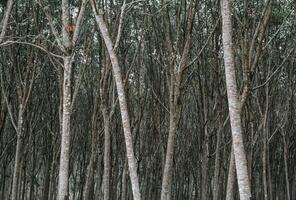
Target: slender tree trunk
{"type": "Point", "coordinates": [66, 108]}
{"type": "Point", "coordinates": [174, 101]}
{"type": "Point", "coordinates": [107, 158]}
{"type": "Point", "coordinates": [168, 167]}
{"type": "Point", "coordinates": [5, 19]}
{"type": "Point", "coordinates": [65, 143]}
{"type": "Point", "coordinates": [123, 182]}
{"type": "Point", "coordinates": [204, 173]}
{"type": "Point", "coordinates": [205, 154]}
{"type": "Point", "coordinates": [288, 196]}
{"type": "Point", "coordinates": [17, 165]}
{"type": "Point", "coordinates": [104, 87]}
{"type": "Point", "coordinates": [122, 103]}
{"type": "Point", "coordinates": [270, 184]}
{"type": "Point", "coordinates": [217, 167]}
{"type": "Point", "coordinates": [46, 184]}
{"type": "Point", "coordinates": [230, 178]}
{"type": "Point", "coordinates": [234, 104]}
{"type": "Point", "coordinates": [32, 170]}
{"type": "Point", "coordinates": [89, 177]}
{"type": "Point", "coordinates": [90, 172]}
{"type": "Point", "coordinates": [249, 60]}
{"type": "Point", "coordinates": [265, 144]}
{"type": "Point", "coordinates": [264, 166]}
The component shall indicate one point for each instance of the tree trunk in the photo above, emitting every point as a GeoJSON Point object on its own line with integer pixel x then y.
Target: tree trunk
{"type": "Point", "coordinates": [168, 166]}
{"type": "Point", "coordinates": [288, 197]}
{"type": "Point", "coordinates": [234, 104]}
{"type": "Point", "coordinates": [107, 156]}
{"type": "Point", "coordinates": [205, 149]}
{"type": "Point", "coordinates": [174, 96]}
{"type": "Point", "coordinates": [265, 130]}
{"type": "Point", "coordinates": [123, 182]}
{"type": "Point", "coordinates": [66, 109]}
{"type": "Point", "coordinates": [230, 178]}
{"type": "Point", "coordinates": [5, 18]}
{"type": "Point", "coordinates": [132, 166]}
{"type": "Point", "coordinates": [104, 87]}
{"type": "Point", "coordinates": [46, 183]}
{"type": "Point", "coordinates": [90, 172]}
{"type": "Point", "coordinates": [65, 143]}
{"type": "Point", "coordinates": [17, 165]}
{"type": "Point", "coordinates": [217, 167]}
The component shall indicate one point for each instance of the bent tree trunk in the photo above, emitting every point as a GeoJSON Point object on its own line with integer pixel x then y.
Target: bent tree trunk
{"type": "Point", "coordinates": [122, 103]}
{"type": "Point", "coordinates": [234, 104]}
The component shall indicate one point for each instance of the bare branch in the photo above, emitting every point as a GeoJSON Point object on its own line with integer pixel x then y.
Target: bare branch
{"type": "Point", "coordinates": [120, 26]}
{"type": "Point", "coordinates": [7, 43]}
{"type": "Point", "coordinates": [79, 22]}
{"type": "Point", "coordinates": [56, 34]}
{"type": "Point", "coordinates": [6, 101]}
{"type": "Point", "coordinates": [275, 71]}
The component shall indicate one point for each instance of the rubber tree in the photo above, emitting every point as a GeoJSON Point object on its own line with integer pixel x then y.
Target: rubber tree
{"type": "Point", "coordinates": [234, 103]}
{"type": "Point", "coordinates": [132, 166]}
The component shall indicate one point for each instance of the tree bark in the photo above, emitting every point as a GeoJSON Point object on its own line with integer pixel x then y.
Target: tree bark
{"type": "Point", "coordinates": [107, 156]}
{"type": "Point", "coordinates": [288, 197]}
{"type": "Point", "coordinates": [122, 103]}
{"type": "Point", "coordinates": [217, 166]}
{"type": "Point", "coordinates": [231, 178]}
{"type": "Point", "coordinates": [5, 19]}
{"type": "Point", "coordinates": [65, 143]}
{"type": "Point", "coordinates": [234, 104]}
{"type": "Point", "coordinates": [17, 165]}
{"type": "Point", "coordinates": [66, 108]}
{"type": "Point", "coordinates": [174, 97]}
{"type": "Point", "coordinates": [104, 87]}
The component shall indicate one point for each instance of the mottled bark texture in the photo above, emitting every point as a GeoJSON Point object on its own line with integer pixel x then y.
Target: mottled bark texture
{"type": "Point", "coordinates": [65, 144]}
{"type": "Point", "coordinates": [63, 186]}
{"type": "Point", "coordinates": [17, 159]}
{"type": "Point", "coordinates": [5, 19]}
{"type": "Point", "coordinates": [132, 166]}
{"type": "Point", "coordinates": [174, 97]}
{"type": "Point", "coordinates": [234, 104]}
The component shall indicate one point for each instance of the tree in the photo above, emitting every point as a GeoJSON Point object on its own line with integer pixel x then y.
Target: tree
{"type": "Point", "coordinates": [170, 56]}
{"type": "Point", "coordinates": [234, 104]}
{"type": "Point", "coordinates": [5, 19]}
{"type": "Point", "coordinates": [122, 102]}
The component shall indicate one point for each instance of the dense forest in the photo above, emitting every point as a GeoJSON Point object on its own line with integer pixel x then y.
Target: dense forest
{"type": "Point", "coordinates": [147, 99]}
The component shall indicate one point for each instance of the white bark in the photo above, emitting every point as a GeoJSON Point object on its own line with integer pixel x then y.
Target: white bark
{"type": "Point", "coordinates": [234, 104]}
{"type": "Point", "coordinates": [122, 103]}
{"type": "Point", "coordinates": [65, 143]}
{"type": "Point", "coordinates": [66, 22]}
{"type": "Point", "coordinates": [63, 186]}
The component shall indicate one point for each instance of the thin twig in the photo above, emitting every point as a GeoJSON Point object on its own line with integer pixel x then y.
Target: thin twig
{"type": "Point", "coordinates": [7, 43]}
{"type": "Point", "coordinates": [156, 97]}
{"type": "Point", "coordinates": [203, 48]}
{"type": "Point", "coordinates": [277, 69]}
